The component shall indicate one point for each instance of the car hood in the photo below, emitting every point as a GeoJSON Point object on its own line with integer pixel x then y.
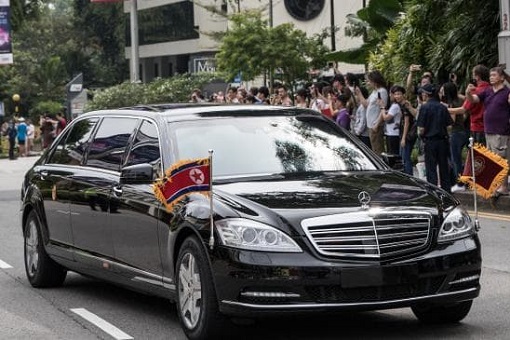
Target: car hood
{"type": "Point", "coordinates": [328, 193]}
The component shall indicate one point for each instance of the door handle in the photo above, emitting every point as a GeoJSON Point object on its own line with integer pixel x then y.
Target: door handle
{"type": "Point", "coordinates": [43, 174]}
{"type": "Point", "coordinates": [117, 191]}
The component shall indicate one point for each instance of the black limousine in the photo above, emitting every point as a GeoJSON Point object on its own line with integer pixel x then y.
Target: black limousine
{"type": "Point", "coordinates": [305, 219]}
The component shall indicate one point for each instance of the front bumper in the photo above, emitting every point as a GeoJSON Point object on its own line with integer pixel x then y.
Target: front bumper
{"type": "Point", "coordinates": [256, 284]}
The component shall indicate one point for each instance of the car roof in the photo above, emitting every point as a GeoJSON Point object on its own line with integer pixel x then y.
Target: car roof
{"type": "Point", "coordinates": [190, 111]}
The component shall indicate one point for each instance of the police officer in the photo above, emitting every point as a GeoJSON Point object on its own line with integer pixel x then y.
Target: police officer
{"type": "Point", "coordinates": [433, 122]}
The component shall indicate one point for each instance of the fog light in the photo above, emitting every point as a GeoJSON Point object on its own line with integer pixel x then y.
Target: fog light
{"type": "Point", "coordinates": [465, 279]}
{"type": "Point", "coordinates": [277, 295]}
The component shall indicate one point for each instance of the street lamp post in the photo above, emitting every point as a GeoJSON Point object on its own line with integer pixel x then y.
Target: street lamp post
{"type": "Point", "coordinates": [504, 34]}
{"type": "Point", "coordinates": [16, 99]}
{"type": "Point", "coordinates": [135, 77]}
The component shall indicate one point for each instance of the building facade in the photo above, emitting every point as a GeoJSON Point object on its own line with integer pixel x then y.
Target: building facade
{"type": "Point", "coordinates": [172, 34]}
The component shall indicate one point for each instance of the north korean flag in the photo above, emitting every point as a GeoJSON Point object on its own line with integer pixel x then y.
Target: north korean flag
{"type": "Point", "coordinates": [183, 178]}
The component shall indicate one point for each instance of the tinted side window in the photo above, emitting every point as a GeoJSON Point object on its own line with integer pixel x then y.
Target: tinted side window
{"type": "Point", "coordinates": [72, 146]}
{"type": "Point", "coordinates": [146, 147]}
{"type": "Point", "coordinates": [110, 141]}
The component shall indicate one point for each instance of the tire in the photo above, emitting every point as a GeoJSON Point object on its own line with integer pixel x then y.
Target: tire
{"type": "Point", "coordinates": [41, 270]}
{"type": "Point", "coordinates": [442, 314]}
{"type": "Point", "coordinates": [197, 304]}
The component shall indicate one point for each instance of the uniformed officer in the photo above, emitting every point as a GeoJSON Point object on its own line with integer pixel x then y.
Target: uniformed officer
{"type": "Point", "coordinates": [433, 123]}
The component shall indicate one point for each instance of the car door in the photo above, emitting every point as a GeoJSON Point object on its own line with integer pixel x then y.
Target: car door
{"type": "Point", "coordinates": [54, 179]}
{"type": "Point", "coordinates": [92, 186]}
{"type": "Point", "coordinates": [134, 211]}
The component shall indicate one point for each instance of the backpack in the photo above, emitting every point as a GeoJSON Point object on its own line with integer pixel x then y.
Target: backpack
{"type": "Point", "coordinates": [12, 132]}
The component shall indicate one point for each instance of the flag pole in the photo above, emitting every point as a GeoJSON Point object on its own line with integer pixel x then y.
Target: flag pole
{"type": "Point", "coordinates": [475, 203]}
{"type": "Point", "coordinates": [211, 214]}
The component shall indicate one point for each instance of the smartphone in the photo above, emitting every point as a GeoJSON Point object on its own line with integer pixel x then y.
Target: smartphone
{"type": "Point", "coordinates": [473, 81]}
{"type": "Point", "coordinates": [378, 95]}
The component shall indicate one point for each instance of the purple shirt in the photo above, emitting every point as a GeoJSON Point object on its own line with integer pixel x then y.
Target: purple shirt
{"type": "Point", "coordinates": [497, 111]}
{"type": "Point", "coordinates": [343, 118]}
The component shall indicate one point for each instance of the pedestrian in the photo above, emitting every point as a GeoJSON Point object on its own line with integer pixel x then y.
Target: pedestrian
{"type": "Point", "coordinates": [458, 135]}
{"type": "Point", "coordinates": [301, 98]}
{"type": "Point", "coordinates": [392, 118]}
{"type": "Point", "coordinates": [61, 123]}
{"type": "Point", "coordinates": [282, 97]}
{"type": "Point", "coordinates": [11, 134]}
{"type": "Point", "coordinates": [474, 112]}
{"type": "Point", "coordinates": [496, 100]}
{"type": "Point", "coordinates": [316, 101]}
{"type": "Point", "coordinates": [196, 96]}
{"type": "Point", "coordinates": [262, 97]}
{"type": "Point", "coordinates": [408, 135]}
{"type": "Point", "coordinates": [359, 125]}
{"type": "Point", "coordinates": [433, 123]}
{"type": "Point", "coordinates": [377, 101]}
{"type": "Point", "coordinates": [47, 130]}
{"type": "Point", "coordinates": [342, 116]}
{"type": "Point", "coordinates": [22, 136]}
{"type": "Point", "coordinates": [30, 137]}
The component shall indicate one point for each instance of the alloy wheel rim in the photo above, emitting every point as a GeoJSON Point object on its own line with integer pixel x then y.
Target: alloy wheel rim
{"type": "Point", "coordinates": [190, 291]}
{"type": "Point", "coordinates": [31, 245]}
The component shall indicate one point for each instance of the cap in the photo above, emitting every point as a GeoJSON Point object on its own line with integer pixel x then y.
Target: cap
{"type": "Point", "coordinates": [427, 88]}
{"type": "Point", "coordinates": [21, 119]}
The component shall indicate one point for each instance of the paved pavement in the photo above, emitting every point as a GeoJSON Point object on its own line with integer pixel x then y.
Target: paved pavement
{"type": "Point", "coordinates": [12, 172]}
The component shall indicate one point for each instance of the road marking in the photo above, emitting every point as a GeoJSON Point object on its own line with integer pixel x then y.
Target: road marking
{"type": "Point", "coordinates": [500, 217]}
{"type": "Point", "coordinates": [4, 265]}
{"type": "Point", "coordinates": [104, 325]}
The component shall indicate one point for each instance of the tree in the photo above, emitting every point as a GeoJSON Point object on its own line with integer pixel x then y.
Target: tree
{"type": "Point", "coordinates": [251, 47]}
{"type": "Point", "coordinates": [444, 36]}
{"type": "Point", "coordinates": [372, 23]}
{"type": "Point", "coordinates": [99, 43]}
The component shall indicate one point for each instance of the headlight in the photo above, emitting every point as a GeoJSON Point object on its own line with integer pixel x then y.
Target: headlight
{"type": "Point", "coordinates": [457, 224]}
{"type": "Point", "coordinates": [251, 235]}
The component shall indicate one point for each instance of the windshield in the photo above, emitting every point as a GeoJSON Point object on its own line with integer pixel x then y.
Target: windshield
{"type": "Point", "coordinates": [250, 146]}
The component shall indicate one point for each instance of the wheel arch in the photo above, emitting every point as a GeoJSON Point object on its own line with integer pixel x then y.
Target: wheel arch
{"type": "Point", "coordinates": [183, 234]}
{"type": "Point", "coordinates": [34, 203]}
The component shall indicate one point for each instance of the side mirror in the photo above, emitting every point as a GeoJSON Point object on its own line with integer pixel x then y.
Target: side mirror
{"type": "Point", "coordinates": [137, 174]}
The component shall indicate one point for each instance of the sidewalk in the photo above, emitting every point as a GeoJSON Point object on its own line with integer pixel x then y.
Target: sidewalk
{"type": "Point", "coordinates": [13, 171]}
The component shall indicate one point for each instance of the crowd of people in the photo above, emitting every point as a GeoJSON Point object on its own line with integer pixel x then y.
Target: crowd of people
{"type": "Point", "coordinates": [21, 133]}
{"type": "Point", "coordinates": [434, 119]}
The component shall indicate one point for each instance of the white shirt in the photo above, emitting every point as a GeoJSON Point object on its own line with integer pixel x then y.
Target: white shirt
{"type": "Point", "coordinates": [392, 126]}
{"type": "Point", "coordinates": [373, 108]}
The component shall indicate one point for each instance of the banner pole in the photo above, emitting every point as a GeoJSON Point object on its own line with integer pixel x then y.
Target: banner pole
{"type": "Point", "coordinates": [211, 214]}
{"type": "Point", "coordinates": [475, 203]}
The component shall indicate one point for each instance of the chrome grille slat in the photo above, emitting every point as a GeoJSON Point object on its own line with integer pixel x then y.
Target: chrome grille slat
{"type": "Point", "coordinates": [408, 234]}
{"type": "Point", "coordinates": [361, 235]}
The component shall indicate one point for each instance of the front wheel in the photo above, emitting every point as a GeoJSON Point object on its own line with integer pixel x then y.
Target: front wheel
{"type": "Point", "coordinates": [197, 305]}
{"type": "Point", "coordinates": [442, 314]}
{"type": "Point", "coordinates": [41, 270]}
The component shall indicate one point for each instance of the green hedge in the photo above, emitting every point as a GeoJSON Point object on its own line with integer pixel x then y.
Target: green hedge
{"type": "Point", "coordinates": [169, 90]}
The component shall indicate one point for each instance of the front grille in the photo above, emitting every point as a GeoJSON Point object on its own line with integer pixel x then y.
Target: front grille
{"type": "Point", "coordinates": [337, 294]}
{"type": "Point", "coordinates": [361, 235]}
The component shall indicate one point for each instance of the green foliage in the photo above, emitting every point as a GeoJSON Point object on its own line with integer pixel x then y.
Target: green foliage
{"type": "Point", "coordinates": [173, 90]}
{"type": "Point", "coordinates": [444, 36]}
{"type": "Point", "coordinates": [252, 47]}
{"type": "Point", "coordinates": [43, 107]}
{"type": "Point", "coordinates": [372, 23]}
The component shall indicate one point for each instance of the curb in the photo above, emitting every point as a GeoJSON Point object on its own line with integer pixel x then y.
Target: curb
{"type": "Point", "coordinates": [501, 205]}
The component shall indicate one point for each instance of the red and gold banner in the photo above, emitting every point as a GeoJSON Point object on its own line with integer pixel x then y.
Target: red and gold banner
{"type": "Point", "coordinates": [490, 171]}
{"type": "Point", "coordinates": [182, 179]}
